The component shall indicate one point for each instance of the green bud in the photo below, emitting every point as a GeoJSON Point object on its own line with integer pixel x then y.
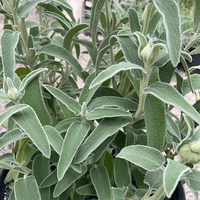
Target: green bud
{"type": "Point", "coordinates": [190, 153]}
{"type": "Point", "coordinates": [145, 52]}
{"type": "Point", "coordinates": [84, 112]}
{"type": "Point", "coordinates": [12, 90]}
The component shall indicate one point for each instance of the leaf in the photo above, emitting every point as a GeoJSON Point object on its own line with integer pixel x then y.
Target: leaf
{"type": "Point", "coordinates": [30, 77]}
{"type": "Point", "coordinates": [154, 179]}
{"type": "Point", "coordinates": [73, 139]}
{"type": "Point", "coordinates": [100, 180]}
{"type": "Point", "coordinates": [6, 115]}
{"type": "Point", "coordinates": [9, 42]}
{"type": "Point", "coordinates": [63, 125]}
{"type": "Point", "coordinates": [86, 93]}
{"type": "Point", "coordinates": [50, 180]}
{"type": "Point", "coordinates": [118, 194]}
{"type": "Point", "coordinates": [170, 95]}
{"type": "Point", "coordinates": [68, 101]}
{"type": "Point", "coordinates": [153, 23]}
{"type": "Point", "coordinates": [112, 70]}
{"type": "Point", "coordinates": [25, 9]}
{"type": "Point", "coordinates": [10, 137]}
{"type": "Point", "coordinates": [86, 190]}
{"type": "Point", "coordinates": [88, 45]}
{"type": "Point", "coordinates": [171, 18]}
{"type": "Point", "coordinates": [196, 19]}
{"type": "Point", "coordinates": [71, 33]}
{"type": "Point", "coordinates": [69, 178]}
{"type": "Point", "coordinates": [99, 113]}
{"type": "Point", "coordinates": [99, 135]}
{"type": "Point", "coordinates": [29, 122]}
{"type": "Point", "coordinates": [110, 101]}
{"type": "Point", "coordinates": [60, 52]}
{"type": "Point", "coordinates": [121, 173]}
{"type": "Point", "coordinates": [4, 96]}
{"type": "Point", "coordinates": [193, 180]}
{"type": "Point", "coordinates": [67, 8]}
{"type": "Point", "coordinates": [94, 20]}
{"type": "Point", "coordinates": [33, 91]}
{"type": "Point", "coordinates": [26, 189]}
{"type": "Point", "coordinates": [146, 157]}
{"type": "Point", "coordinates": [195, 79]}
{"type": "Point", "coordinates": [172, 127]}
{"type": "Point", "coordinates": [40, 173]}
{"type": "Point", "coordinates": [102, 148]}
{"type": "Point", "coordinates": [155, 117]}
{"type": "Point", "coordinates": [133, 20]}
{"type": "Point", "coordinates": [172, 174]}
{"type": "Point", "coordinates": [54, 138]}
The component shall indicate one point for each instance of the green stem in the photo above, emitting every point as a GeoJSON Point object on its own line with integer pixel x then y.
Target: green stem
{"type": "Point", "coordinates": [6, 165]}
{"type": "Point", "coordinates": [143, 84]}
{"type": "Point", "coordinates": [130, 94]}
{"type": "Point", "coordinates": [124, 86]}
{"type": "Point", "coordinates": [159, 192]}
{"type": "Point", "coordinates": [107, 17]}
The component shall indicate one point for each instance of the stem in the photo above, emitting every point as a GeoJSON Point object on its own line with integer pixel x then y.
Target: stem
{"type": "Point", "coordinates": [130, 94]}
{"type": "Point", "coordinates": [159, 192]}
{"type": "Point", "coordinates": [6, 165]}
{"type": "Point", "coordinates": [107, 16]}
{"type": "Point", "coordinates": [124, 86]}
{"type": "Point", "coordinates": [143, 84]}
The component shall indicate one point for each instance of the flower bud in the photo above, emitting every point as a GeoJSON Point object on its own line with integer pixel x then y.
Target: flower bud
{"type": "Point", "coordinates": [12, 90]}
{"type": "Point", "coordinates": [190, 153]}
{"type": "Point", "coordinates": [145, 52]}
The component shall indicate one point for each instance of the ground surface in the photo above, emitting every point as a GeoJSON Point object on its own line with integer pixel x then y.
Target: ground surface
{"type": "Point", "coordinates": [77, 5]}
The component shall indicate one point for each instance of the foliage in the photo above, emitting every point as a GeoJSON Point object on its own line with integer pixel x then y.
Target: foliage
{"type": "Point", "coordinates": [68, 142]}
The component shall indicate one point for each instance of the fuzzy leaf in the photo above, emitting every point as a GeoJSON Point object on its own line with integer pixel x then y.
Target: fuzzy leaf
{"type": "Point", "coordinates": [100, 180]}
{"type": "Point", "coordinates": [54, 138]}
{"type": "Point", "coordinates": [10, 137]}
{"type": "Point", "coordinates": [99, 113]}
{"type": "Point", "coordinates": [51, 179]}
{"type": "Point", "coordinates": [153, 23]}
{"type": "Point", "coordinates": [6, 115]}
{"type": "Point", "coordinates": [146, 157]}
{"type": "Point", "coordinates": [86, 190]}
{"type": "Point", "coordinates": [4, 96]}
{"type": "Point", "coordinates": [96, 12]}
{"type": "Point", "coordinates": [121, 173]}
{"type": "Point", "coordinates": [70, 177]}
{"type": "Point", "coordinates": [172, 174]}
{"type": "Point", "coordinates": [29, 122]}
{"type": "Point", "coordinates": [26, 189]}
{"type": "Point", "coordinates": [71, 33]}
{"type": "Point", "coordinates": [170, 95]}
{"type": "Point", "coordinates": [171, 18]}
{"type": "Point", "coordinates": [117, 194]}
{"type": "Point", "coordinates": [60, 52]}
{"type": "Point", "coordinates": [114, 69]}
{"type": "Point", "coordinates": [30, 77]}
{"type": "Point", "coordinates": [73, 139]}
{"type": "Point", "coordinates": [9, 41]}
{"type": "Point", "coordinates": [86, 93]}
{"type": "Point", "coordinates": [193, 180]}
{"type": "Point", "coordinates": [133, 20]}
{"type": "Point", "coordinates": [25, 9]}
{"type": "Point", "coordinates": [68, 101]}
{"type": "Point", "coordinates": [110, 101]}
{"type": "Point", "coordinates": [99, 135]}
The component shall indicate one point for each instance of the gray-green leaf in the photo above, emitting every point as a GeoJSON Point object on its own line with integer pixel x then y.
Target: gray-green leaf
{"type": "Point", "coordinates": [26, 189]}
{"type": "Point", "coordinates": [107, 127]}
{"type": "Point", "coordinates": [100, 180]}
{"type": "Point", "coordinates": [171, 18]}
{"type": "Point", "coordinates": [170, 95]}
{"type": "Point", "coordinates": [68, 101]}
{"type": "Point", "coordinates": [73, 139]}
{"type": "Point", "coordinates": [9, 41]}
{"type": "Point", "coordinates": [146, 157]}
{"type": "Point", "coordinates": [62, 53]}
{"type": "Point", "coordinates": [172, 174]}
{"type": "Point", "coordinates": [114, 69]}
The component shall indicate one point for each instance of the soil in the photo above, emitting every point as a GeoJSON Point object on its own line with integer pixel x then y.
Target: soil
{"type": "Point", "coordinates": [77, 7]}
